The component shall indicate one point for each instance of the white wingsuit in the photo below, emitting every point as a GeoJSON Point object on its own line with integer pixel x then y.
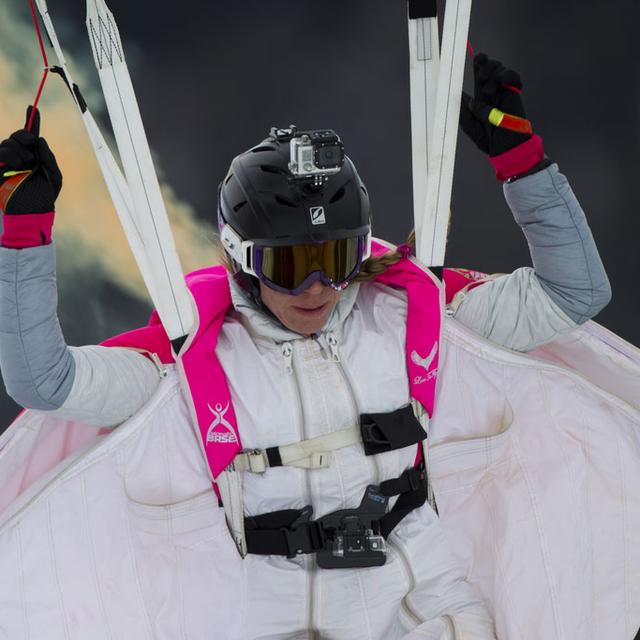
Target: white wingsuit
{"type": "Point", "coordinates": [535, 469]}
{"type": "Point", "coordinates": [535, 472]}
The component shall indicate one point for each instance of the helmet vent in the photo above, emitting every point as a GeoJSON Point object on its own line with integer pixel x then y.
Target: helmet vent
{"type": "Point", "coordinates": [262, 147]}
{"type": "Point", "coordinates": [226, 180]}
{"type": "Point", "coordinates": [337, 195]}
{"type": "Point", "coordinates": [269, 168]}
{"type": "Point", "coordinates": [364, 190]}
{"type": "Point", "coordinates": [285, 202]}
{"type": "Point", "coordinates": [239, 206]}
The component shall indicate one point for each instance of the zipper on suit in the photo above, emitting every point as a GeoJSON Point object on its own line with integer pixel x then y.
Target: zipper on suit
{"type": "Point", "coordinates": [332, 343]}
{"type": "Point", "coordinates": [335, 356]}
{"type": "Point", "coordinates": [289, 367]}
{"type": "Point", "coordinates": [287, 354]}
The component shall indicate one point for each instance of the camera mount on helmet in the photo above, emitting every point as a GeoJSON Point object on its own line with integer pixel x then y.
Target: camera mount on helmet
{"type": "Point", "coordinates": [315, 155]}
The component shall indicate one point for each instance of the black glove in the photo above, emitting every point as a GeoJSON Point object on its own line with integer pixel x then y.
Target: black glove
{"type": "Point", "coordinates": [36, 189]}
{"type": "Point", "coordinates": [495, 87]}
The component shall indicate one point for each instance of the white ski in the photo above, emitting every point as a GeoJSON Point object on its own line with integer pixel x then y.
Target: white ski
{"type": "Point", "coordinates": [160, 266]}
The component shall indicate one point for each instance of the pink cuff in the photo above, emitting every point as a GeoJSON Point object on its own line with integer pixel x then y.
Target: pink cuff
{"type": "Point", "coordinates": [519, 159]}
{"type": "Point", "coordinates": [21, 231]}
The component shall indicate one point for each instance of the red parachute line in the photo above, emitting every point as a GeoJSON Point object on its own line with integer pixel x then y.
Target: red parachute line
{"type": "Point", "coordinates": [46, 65]}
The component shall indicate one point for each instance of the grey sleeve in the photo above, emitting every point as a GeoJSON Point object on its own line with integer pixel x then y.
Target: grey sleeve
{"type": "Point", "coordinates": [37, 368]}
{"type": "Point", "coordinates": [96, 385]}
{"type": "Point", "coordinates": [563, 251]}
{"type": "Point", "coordinates": [111, 384]}
{"type": "Point", "coordinates": [513, 311]}
{"type": "Point", "coordinates": [568, 284]}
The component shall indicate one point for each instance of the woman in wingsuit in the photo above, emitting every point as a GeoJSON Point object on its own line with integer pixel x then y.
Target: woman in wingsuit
{"type": "Point", "coordinates": [310, 381]}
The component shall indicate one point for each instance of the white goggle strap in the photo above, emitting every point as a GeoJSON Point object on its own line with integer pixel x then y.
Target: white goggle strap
{"type": "Point", "coordinates": [366, 251]}
{"type": "Point", "coordinates": [242, 251]}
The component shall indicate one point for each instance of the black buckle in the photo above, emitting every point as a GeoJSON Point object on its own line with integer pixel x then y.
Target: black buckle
{"type": "Point", "coordinates": [352, 536]}
{"type": "Point", "coordinates": [389, 431]}
{"type": "Point", "coordinates": [372, 434]}
{"type": "Point", "coordinates": [347, 538]}
{"type": "Point", "coordinates": [415, 477]}
{"type": "Point", "coordinates": [297, 534]}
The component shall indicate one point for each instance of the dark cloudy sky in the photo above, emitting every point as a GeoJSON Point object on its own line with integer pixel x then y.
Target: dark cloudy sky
{"type": "Point", "coordinates": [212, 77]}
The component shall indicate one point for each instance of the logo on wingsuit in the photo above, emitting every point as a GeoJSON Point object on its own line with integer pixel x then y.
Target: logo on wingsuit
{"type": "Point", "coordinates": [425, 363]}
{"type": "Point", "coordinates": [225, 432]}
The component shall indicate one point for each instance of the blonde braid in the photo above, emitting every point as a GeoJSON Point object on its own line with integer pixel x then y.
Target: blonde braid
{"type": "Point", "coordinates": [376, 265]}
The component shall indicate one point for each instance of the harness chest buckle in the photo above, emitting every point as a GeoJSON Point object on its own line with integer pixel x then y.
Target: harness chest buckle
{"type": "Point", "coordinates": [300, 532]}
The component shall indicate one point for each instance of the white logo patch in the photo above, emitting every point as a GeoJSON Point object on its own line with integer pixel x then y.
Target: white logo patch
{"type": "Point", "coordinates": [228, 436]}
{"type": "Point", "coordinates": [317, 215]}
{"type": "Point", "coordinates": [425, 363]}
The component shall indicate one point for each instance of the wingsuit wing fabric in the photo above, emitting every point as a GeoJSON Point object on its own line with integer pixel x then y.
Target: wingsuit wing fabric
{"type": "Point", "coordinates": [536, 470]}
{"type": "Point", "coordinates": [542, 504]}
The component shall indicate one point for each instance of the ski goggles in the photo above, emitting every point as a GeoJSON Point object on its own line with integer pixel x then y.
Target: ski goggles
{"type": "Point", "coordinates": [294, 268]}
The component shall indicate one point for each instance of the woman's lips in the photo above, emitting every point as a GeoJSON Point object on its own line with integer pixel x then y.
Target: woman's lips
{"type": "Point", "coordinates": [311, 311]}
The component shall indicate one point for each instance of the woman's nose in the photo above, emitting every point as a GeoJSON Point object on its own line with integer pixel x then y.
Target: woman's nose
{"type": "Point", "coordinates": [316, 288]}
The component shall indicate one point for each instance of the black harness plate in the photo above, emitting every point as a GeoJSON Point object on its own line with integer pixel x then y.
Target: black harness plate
{"type": "Point", "coordinates": [352, 536]}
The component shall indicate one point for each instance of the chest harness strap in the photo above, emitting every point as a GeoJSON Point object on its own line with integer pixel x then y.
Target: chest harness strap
{"type": "Point", "coordinates": [378, 432]}
{"type": "Point", "coordinates": [343, 539]}
{"type": "Point", "coordinates": [314, 453]}
{"type": "Point", "coordinates": [348, 537]}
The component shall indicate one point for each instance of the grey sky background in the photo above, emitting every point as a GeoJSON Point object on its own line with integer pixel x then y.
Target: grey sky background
{"type": "Point", "coordinates": [212, 77]}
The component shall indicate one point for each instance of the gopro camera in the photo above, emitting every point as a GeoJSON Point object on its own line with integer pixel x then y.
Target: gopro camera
{"type": "Point", "coordinates": [314, 154]}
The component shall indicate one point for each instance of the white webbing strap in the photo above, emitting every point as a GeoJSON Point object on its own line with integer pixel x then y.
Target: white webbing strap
{"type": "Point", "coordinates": [229, 483]}
{"type": "Point", "coordinates": [424, 64]}
{"type": "Point", "coordinates": [137, 199]}
{"type": "Point", "coordinates": [314, 453]}
{"type": "Point", "coordinates": [433, 194]}
{"type": "Point", "coordinates": [422, 416]}
{"type": "Point", "coordinates": [160, 264]}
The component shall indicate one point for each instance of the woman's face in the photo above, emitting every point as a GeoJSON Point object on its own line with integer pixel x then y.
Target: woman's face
{"type": "Point", "coordinates": [306, 313]}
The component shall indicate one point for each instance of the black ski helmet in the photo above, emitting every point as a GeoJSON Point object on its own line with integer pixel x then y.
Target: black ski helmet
{"type": "Point", "coordinates": [263, 202]}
